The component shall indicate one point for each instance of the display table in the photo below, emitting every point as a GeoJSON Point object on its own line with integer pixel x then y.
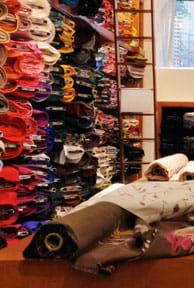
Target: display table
{"type": "Point", "coordinates": [16, 272]}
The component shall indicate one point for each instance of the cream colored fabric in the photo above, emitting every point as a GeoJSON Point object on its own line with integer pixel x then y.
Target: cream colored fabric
{"type": "Point", "coordinates": [151, 201]}
{"type": "Point", "coordinates": [164, 168]}
{"type": "Point", "coordinates": [185, 173]}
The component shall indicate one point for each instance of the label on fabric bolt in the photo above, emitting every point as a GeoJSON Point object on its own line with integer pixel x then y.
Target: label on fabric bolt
{"type": "Point", "coordinates": [40, 173]}
{"type": "Point", "coordinates": [27, 89]}
{"type": "Point", "coordinates": [40, 33]}
{"type": "Point", "coordinates": [20, 47]}
{"type": "Point", "coordinates": [57, 123]}
{"type": "Point", "coordinates": [36, 137]}
{"type": "Point", "coordinates": [56, 93]}
{"type": "Point", "coordinates": [57, 108]}
{"type": "Point", "coordinates": [42, 185]}
{"type": "Point", "coordinates": [40, 21]}
{"type": "Point", "coordinates": [41, 89]}
{"type": "Point", "coordinates": [84, 95]}
{"type": "Point", "coordinates": [25, 177]}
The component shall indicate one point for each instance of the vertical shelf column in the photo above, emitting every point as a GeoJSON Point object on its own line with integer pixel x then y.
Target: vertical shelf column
{"type": "Point", "coordinates": [136, 89]}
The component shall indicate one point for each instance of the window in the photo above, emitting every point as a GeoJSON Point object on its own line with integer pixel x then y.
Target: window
{"type": "Point", "coordinates": [183, 34]}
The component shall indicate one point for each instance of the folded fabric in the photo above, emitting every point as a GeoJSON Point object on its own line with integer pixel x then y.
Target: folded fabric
{"type": "Point", "coordinates": [11, 149]}
{"type": "Point", "coordinates": [71, 154]}
{"type": "Point", "coordinates": [163, 169]}
{"type": "Point", "coordinates": [13, 128]}
{"type": "Point", "coordinates": [10, 23]}
{"type": "Point", "coordinates": [50, 54]}
{"type": "Point", "coordinates": [9, 178]}
{"type": "Point", "coordinates": [40, 8]}
{"type": "Point", "coordinates": [14, 6]}
{"type": "Point", "coordinates": [42, 29]}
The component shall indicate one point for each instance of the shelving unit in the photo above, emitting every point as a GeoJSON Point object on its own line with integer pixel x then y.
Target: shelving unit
{"type": "Point", "coordinates": [136, 96]}
{"type": "Point", "coordinates": [136, 100]}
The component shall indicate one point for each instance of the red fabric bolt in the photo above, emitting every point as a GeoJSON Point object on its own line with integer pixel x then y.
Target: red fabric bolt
{"type": "Point", "coordinates": [13, 6]}
{"type": "Point", "coordinates": [9, 175]}
{"type": "Point", "coordinates": [13, 128]}
{"type": "Point", "coordinates": [11, 152]}
{"type": "Point", "coordinates": [30, 64]}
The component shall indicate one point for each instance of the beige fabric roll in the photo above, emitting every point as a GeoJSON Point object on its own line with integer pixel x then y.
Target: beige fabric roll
{"type": "Point", "coordinates": [164, 168]}
{"type": "Point", "coordinates": [185, 173]}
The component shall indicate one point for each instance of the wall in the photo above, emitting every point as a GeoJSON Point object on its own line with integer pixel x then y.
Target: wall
{"type": "Point", "coordinates": [175, 84]}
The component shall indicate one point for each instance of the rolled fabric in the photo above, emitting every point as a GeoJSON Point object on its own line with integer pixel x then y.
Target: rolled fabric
{"type": "Point", "coordinates": [185, 173]}
{"type": "Point", "coordinates": [70, 235]}
{"type": "Point", "coordinates": [164, 168]}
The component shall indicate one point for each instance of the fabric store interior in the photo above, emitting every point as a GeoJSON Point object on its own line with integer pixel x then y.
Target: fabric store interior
{"type": "Point", "coordinates": [96, 148]}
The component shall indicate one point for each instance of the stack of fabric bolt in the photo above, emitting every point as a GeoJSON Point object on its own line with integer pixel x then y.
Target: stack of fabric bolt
{"type": "Point", "coordinates": [70, 111]}
{"type": "Point", "coordinates": [49, 123]}
{"type": "Point", "coordinates": [132, 56]}
{"type": "Point", "coordinates": [28, 182]}
{"type": "Point", "coordinates": [76, 123]}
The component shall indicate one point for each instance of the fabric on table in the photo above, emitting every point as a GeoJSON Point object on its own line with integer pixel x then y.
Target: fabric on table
{"type": "Point", "coordinates": [138, 225]}
{"type": "Point", "coordinates": [163, 169]}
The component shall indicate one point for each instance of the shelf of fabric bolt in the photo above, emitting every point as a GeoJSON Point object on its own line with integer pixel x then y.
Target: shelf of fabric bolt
{"type": "Point", "coordinates": [17, 272]}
